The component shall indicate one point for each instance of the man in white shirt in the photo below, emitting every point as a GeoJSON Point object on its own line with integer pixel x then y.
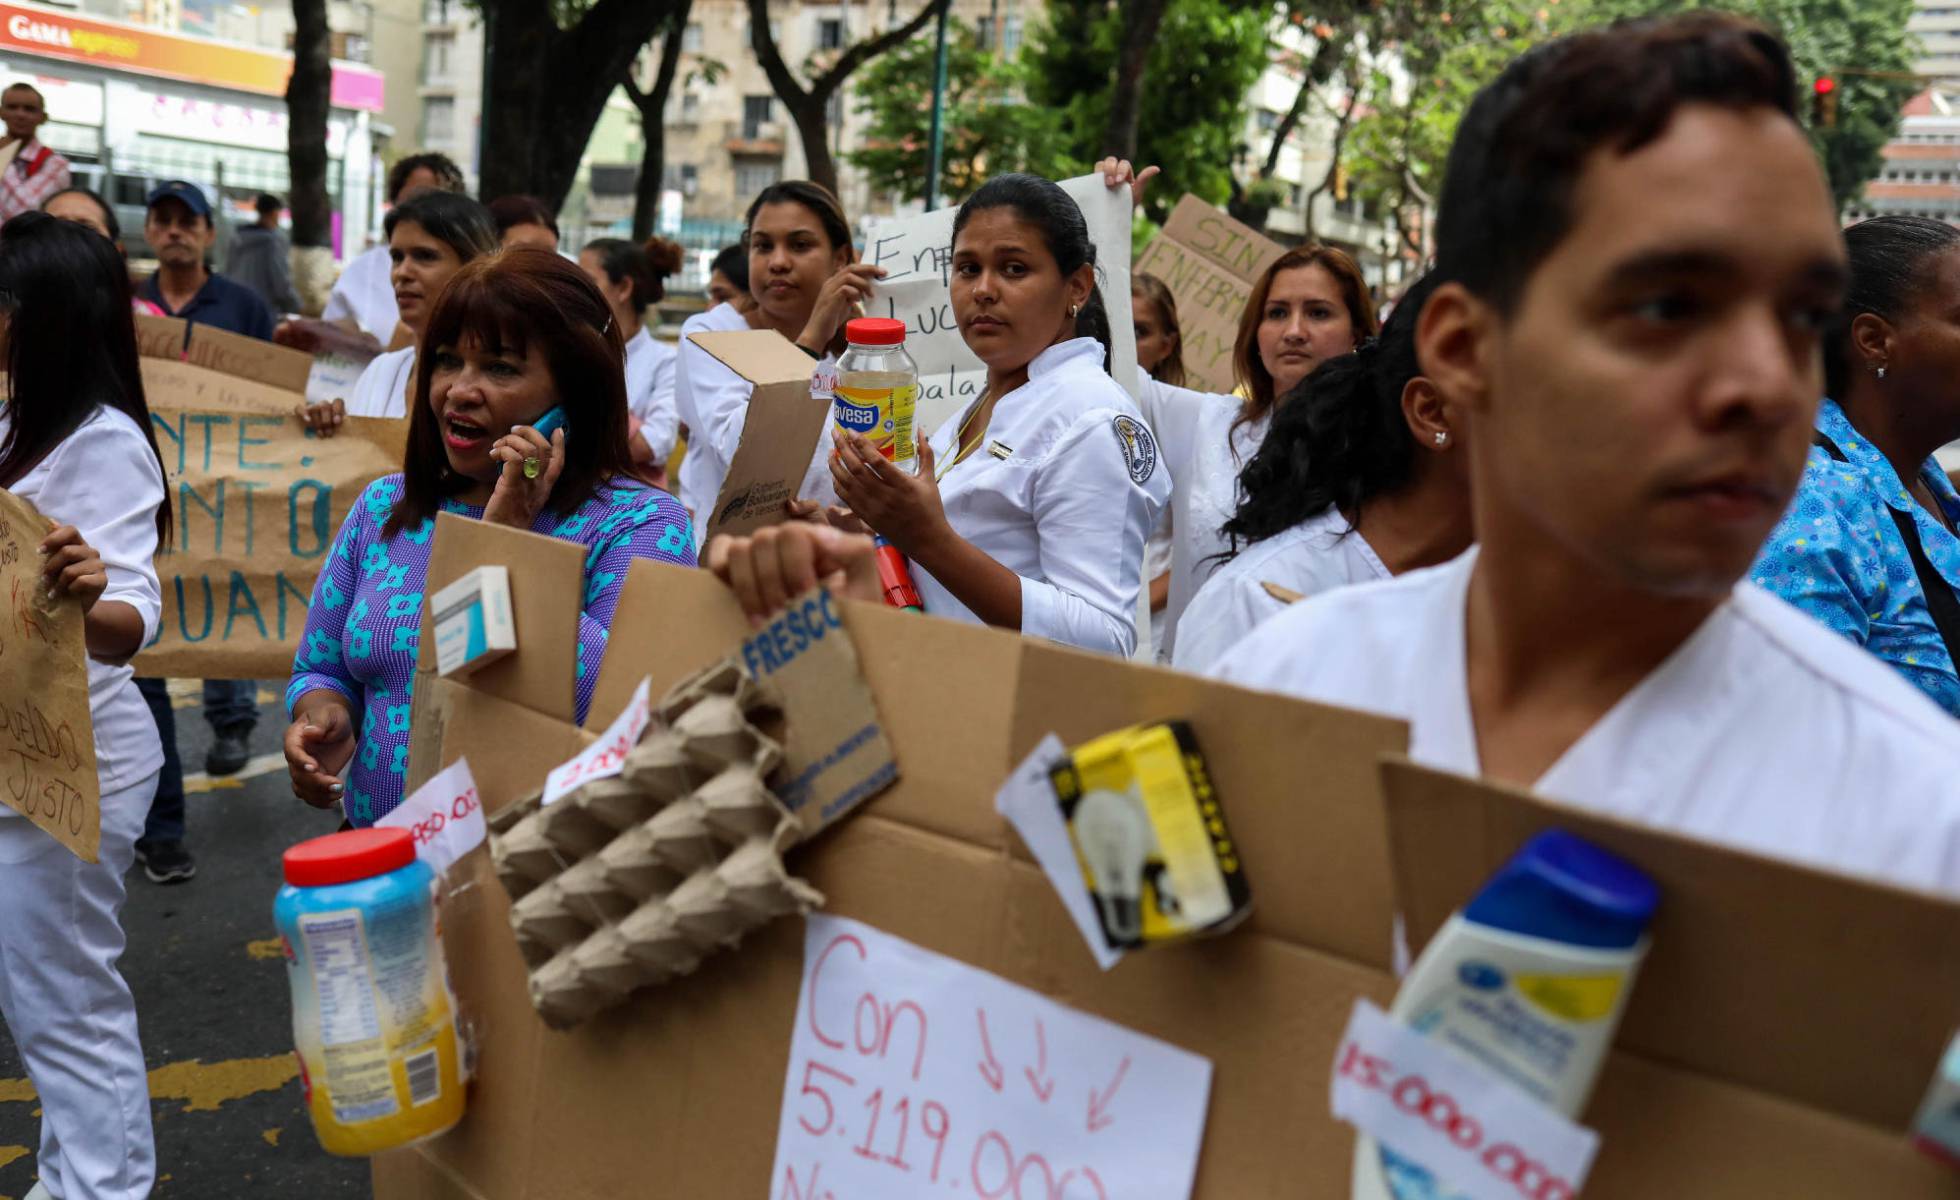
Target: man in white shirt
{"type": "Point", "coordinates": [364, 295]}
{"type": "Point", "coordinates": [1646, 254]}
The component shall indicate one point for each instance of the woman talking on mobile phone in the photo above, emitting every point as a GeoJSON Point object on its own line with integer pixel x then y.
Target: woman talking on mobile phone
{"type": "Point", "coordinates": [75, 441]}
{"type": "Point", "coordinates": [1030, 508]}
{"type": "Point", "coordinates": [517, 341]}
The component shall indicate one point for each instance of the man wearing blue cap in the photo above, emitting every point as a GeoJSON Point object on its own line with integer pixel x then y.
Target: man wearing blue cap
{"type": "Point", "coordinates": [180, 229]}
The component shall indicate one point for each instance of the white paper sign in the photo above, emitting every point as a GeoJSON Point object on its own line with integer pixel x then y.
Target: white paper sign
{"type": "Point", "coordinates": [606, 757]}
{"type": "Point", "coordinates": [1480, 1134]}
{"type": "Point", "coordinates": [445, 815]}
{"type": "Point", "coordinates": [912, 1075]}
{"type": "Point", "coordinates": [917, 253]}
{"type": "Point", "coordinates": [1027, 800]}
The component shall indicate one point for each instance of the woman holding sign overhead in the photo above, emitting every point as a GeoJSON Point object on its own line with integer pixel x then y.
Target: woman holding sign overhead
{"type": "Point", "coordinates": [524, 424]}
{"type": "Point", "coordinates": [1310, 306]}
{"type": "Point", "coordinates": [430, 236]}
{"type": "Point", "coordinates": [1030, 507]}
{"type": "Point", "coordinates": [806, 281]}
{"type": "Point", "coordinates": [75, 442]}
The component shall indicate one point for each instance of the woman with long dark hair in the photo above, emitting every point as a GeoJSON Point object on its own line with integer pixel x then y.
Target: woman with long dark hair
{"type": "Point", "coordinates": [1030, 507]}
{"type": "Point", "coordinates": [75, 441]}
{"type": "Point", "coordinates": [517, 340]}
{"type": "Point", "coordinates": [632, 277]}
{"type": "Point", "coordinates": [1361, 477]}
{"type": "Point", "coordinates": [806, 282]}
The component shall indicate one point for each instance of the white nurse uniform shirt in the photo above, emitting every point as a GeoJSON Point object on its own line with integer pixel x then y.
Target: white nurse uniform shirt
{"type": "Point", "coordinates": [1063, 492]}
{"type": "Point", "coordinates": [713, 401]}
{"type": "Point", "coordinates": [382, 389]}
{"type": "Point", "coordinates": [650, 368]}
{"type": "Point", "coordinates": [1317, 555]}
{"type": "Point", "coordinates": [1764, 731]}
{"type": "Point", "coordinates": [1206, 448]}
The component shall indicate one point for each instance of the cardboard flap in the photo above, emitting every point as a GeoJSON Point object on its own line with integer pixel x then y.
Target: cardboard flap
{"type": "Point", "coordinates": [949, 789]}
{"type": "Point", "coordinates": [761, 356]}
{"type": "Point", "coordinates": [1297, 782]}
{"type": "Point", "coordinates": [1826, 990]}
{"type": "Point", "coordinates": [547, 592]}
{"type": "Point", "coordinates": [249, 358]}
{"type": "Point", "coordinates": [161, 337]}
{"type": "Point", "coordinates": [779, 437]}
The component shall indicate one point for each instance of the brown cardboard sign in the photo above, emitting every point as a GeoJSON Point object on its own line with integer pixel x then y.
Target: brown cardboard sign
{"type": "Point", "coordinates": [1210, 262]}
{"type": "Point", "coordinates": [47, 736]}
{"type": "Point", "coordinates": [778, 437]}
{"type": "Point", "coordinates": [259, 501]}
{"type": "Point", "coordinates": [1834, 995]}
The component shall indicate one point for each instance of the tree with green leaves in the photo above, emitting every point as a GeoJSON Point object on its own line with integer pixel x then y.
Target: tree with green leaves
{"type": "Point", "coordinates": [989, 126]}
{"type": "Point", "coordinates": [1863, 46]}
{"type": "Point", "coordinates": [1191, 106]}
{"type": "Point", "coordinates": [809, 104]}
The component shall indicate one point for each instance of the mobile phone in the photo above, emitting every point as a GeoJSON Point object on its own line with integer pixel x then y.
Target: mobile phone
{"type": "Point", "coordinates": [550, 422]}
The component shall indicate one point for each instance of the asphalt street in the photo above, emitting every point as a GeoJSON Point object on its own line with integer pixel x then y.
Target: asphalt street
{"type": "Point", "coordinates": [211, 997]}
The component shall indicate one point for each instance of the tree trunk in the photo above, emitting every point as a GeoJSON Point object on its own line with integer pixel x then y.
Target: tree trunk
{"type": "Point", "coordinates": [653, 125]}
{"type": "Point", "coordinates": [307, 99]}
{"type": "Point", "coordinates": [813, 128]}
{"type": "Point", "coordinates": [1320, 68]}
{"type": "Point", "coordinates": [545, 88]}
{"type": "Point", "coordinates": [1343, 122]}
{"type": "Point", "coordinates": [1141, 20]}
{"type": "Point", "coordinates": [807, 106]}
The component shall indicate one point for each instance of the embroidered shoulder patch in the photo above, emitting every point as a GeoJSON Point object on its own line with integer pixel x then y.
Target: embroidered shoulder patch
{"type": "Point", "coordinates": [1139, 449]}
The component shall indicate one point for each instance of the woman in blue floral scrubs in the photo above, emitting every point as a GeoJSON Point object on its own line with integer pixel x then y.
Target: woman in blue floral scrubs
{"type": "Point", "coordinates": [513, 337]}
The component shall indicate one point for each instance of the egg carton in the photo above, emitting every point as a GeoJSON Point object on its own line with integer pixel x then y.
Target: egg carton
{"type": "Point", "coordinates": [629, 882]}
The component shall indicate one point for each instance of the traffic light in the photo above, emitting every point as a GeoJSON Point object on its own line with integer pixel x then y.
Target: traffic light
{"type": "Point", "coordinates": [1823, 102]}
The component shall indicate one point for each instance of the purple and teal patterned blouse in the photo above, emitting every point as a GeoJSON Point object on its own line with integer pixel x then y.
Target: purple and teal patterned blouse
{"type": "Point", "coordinates": [363, 631]}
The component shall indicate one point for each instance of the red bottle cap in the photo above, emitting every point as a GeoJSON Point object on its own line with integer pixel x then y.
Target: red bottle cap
{"type": "Point", "coordinates": [875, 331]}
{"type": "Point", "coordinates": [347, 856]}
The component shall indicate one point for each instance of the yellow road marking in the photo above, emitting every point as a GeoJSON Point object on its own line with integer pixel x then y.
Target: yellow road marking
{"type": "Point", "coordinates": [271, 1136]}
{"type": "Point", "coordinates": [202, 1086]}
{"type": "Point", "coordinates": [198, 782]}
{"type": "Point", "coordinates": [270, 947]}
{"type": "Point", "coordinates": [12, 1153]}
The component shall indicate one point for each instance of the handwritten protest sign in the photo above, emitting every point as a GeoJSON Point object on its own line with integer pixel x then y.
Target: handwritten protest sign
{"type": "Point", "coordinates": [47, 739]}
{"type": "Point", "coordinates": [912, 1075]}
{"type": "Point", "coordinates": [258, 500]}
{"type": "Point", "coordinates": [917, 253]}
{"type": "Point", "coordinates": [444, 815]}
{"type": "Point", "coordinates": [1209, 262]}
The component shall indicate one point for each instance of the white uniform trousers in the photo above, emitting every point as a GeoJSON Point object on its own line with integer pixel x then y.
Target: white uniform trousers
{"type": "Point", "coordinates": [69, 1011]}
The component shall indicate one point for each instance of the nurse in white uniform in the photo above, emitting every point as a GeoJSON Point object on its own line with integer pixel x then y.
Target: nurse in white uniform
{"type": "Point", "coordinates": [71, 354]}
{"type": "Point", "coordinates": [1635, 337]}
{"type": "Point", "coordinates": [806, 282]}
{"type": "Point", "coordinates": [430, 237]}
{"type": "Point", "coordinates": [1361, 478]}
{"type": "Point", "coordinates": [632, 277]}
{"type": "Point", "coordinates": [1031, 507]}
{"type": "Point", "coordinates": [1310, 306]}
{"type": "Point", "coordinates": [365, 293]}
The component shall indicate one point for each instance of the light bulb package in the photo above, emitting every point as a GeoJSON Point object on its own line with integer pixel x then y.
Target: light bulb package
{"type": "Point", "coordinates": [1150, 836]}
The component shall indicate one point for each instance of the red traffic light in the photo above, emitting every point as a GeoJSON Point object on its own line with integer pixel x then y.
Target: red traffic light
{"type": "Point", "coordinates": [1824, 86]}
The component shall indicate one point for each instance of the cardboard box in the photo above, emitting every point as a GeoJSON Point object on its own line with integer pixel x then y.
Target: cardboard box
{"type": "Point", "coordinates": [678, 1093]}
{"type": "Point", "coordinates": [779, 436]}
